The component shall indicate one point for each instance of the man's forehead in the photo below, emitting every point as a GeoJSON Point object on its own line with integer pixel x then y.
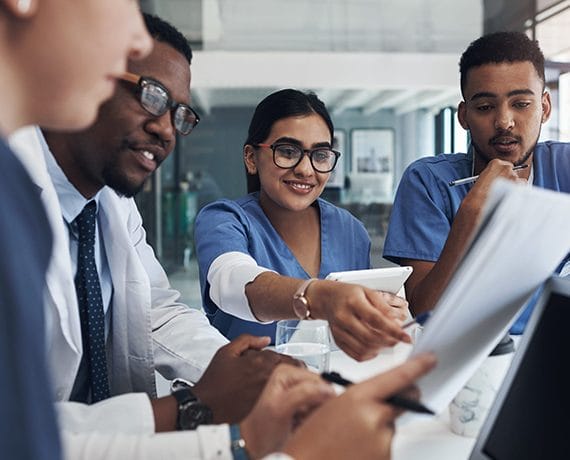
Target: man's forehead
{"type": "Point", "coordinates": [167, 66]}
{"type": "Point", "coordinates": [503, 78]}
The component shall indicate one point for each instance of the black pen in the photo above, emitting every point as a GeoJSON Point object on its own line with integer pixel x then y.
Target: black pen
{"type": "Point", "coordinates": [395, 400]}
{"type": "Point", "coordinates": [468, 180]}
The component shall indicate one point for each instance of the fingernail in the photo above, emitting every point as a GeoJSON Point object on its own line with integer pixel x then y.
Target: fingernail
{"type": "Point", "coordinates": [327, 389]}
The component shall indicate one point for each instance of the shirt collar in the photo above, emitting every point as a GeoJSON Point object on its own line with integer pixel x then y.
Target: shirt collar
{"type": "Point", "coordinates": [71, 201]}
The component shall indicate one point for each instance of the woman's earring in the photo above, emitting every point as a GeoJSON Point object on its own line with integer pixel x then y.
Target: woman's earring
{"type": "Point", "coordinates": [24, 6]}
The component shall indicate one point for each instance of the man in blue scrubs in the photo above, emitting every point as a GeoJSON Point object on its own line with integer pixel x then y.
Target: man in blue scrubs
{"type": "Point", "coordinates": [504, 106]}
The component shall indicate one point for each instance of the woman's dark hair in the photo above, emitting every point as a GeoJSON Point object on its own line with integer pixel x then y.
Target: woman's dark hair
{"type": "Point", "coordinates": [281, 104]}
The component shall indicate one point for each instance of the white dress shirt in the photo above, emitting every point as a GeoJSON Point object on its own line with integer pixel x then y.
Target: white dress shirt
{"type": "Point", "coordinates": [72, 203]}
{"type": "Point", "coordinates": [150, 330]}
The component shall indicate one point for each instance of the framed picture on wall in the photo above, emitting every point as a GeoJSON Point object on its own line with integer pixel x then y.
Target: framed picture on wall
{"type": "Point", "coordinates": [371, 176]}
{"type": "Point", "coordinates": [372, 151]}
{"type": "Point", "coordinates": [337, 176]}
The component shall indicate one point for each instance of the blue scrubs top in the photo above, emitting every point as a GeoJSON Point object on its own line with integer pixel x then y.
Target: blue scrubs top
{"type": "Point", "coordinates": [425, 205]}
{"type": "Point", "coordinates": [241, 225]}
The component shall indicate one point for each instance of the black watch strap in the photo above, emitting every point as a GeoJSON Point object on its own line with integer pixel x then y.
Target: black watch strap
{"type": "Point", "coordinates": [184, 396]}
{"type": "Point", "coordinates": [191, 411]}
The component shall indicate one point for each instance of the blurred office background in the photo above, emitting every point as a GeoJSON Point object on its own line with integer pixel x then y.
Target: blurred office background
{"type": "Point", "coordinates": [388, 72]}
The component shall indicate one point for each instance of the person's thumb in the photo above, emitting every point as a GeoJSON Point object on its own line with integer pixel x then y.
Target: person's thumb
{"type": "Point", "coordinates": [248, 342]}
{"type": "Point", "coordinates": [397, 379]}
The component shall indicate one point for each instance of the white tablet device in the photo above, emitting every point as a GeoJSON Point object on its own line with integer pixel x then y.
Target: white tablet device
{"type": "Point", "coordinates": [382, 279]}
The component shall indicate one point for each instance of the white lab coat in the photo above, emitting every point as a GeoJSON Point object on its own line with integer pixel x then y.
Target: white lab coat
{"type": "Point", "coordinates": [149, 328]}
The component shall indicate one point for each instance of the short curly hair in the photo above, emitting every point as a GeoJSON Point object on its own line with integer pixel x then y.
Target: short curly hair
{"type": "Point", "coordinates": [165, 32]}
{"type": "Point", "coordinates": [501, 47]}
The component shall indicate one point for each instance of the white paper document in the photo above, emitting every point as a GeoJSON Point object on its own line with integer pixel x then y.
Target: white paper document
{"type": "Point", "coordinates": [523, 235]}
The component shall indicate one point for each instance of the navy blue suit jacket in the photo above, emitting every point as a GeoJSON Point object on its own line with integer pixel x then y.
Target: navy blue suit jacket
{"type": "Point", "coordinates": [27, 421]}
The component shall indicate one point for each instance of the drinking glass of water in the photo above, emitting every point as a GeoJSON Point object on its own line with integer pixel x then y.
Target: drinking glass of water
{"type": "Point", "coordinates": [307, 340]}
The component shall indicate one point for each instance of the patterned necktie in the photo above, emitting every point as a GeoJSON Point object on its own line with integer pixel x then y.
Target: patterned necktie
{"type": "Point", "coordinates": [91, 304]}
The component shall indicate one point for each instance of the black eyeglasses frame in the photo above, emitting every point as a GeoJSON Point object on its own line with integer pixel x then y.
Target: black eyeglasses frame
{"type": "Point", "coordinates": [141, 82]}
{"type": "Point", "coordinates": [308, 152]}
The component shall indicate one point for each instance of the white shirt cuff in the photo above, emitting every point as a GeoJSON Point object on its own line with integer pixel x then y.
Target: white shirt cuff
{"type": "Point", "coordinates": [128, 414]}
{"type": "Point", "coordinates": [210, 442]}
{"type": "Point", "coordinates": [228, 275]}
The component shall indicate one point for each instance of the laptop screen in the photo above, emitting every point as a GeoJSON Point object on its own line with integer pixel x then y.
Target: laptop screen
{"type": "Point", "coordinates": [530, 416]}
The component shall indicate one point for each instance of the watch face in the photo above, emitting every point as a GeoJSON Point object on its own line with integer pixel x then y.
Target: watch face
{"type": "Point", "coordinates": [194, 414]}
{"type": "Point", "coordinates": [191, 411]}
{"type": "Point", "coordinates": [300, 307]}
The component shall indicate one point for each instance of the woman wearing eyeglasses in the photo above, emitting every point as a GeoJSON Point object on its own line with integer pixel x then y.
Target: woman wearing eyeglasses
{"type": "Point", "coordinates": [263, 257]}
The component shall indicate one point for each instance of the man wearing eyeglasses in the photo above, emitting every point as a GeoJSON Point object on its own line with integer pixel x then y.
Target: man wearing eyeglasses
{"type": "Point", "coordinates": [112, 317]}
{"type": "Point", "coordinates": [142, 325]}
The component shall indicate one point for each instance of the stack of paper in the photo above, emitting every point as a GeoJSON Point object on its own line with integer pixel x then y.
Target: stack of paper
{"type": "Point", "coordinates": [522, 237]}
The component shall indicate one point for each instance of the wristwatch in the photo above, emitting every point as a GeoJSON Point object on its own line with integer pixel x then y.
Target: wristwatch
{"type": "Point", "coordinates": [191, 411]}
{"type": "Point", "coordinates": [301, 305]}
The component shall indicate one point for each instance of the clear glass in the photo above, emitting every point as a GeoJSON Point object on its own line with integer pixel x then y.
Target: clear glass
{"type": "Point", "coordinates": [308, 341]}
{"type": "Point", "coordinates": [157, 101]}
{"type": "Point", "coordinates": [154, 99]}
